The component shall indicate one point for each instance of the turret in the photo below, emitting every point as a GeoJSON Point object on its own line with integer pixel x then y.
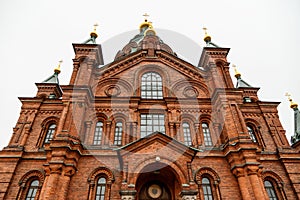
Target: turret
{"type": "Point", "coordinates": [50, 87]}
{"type": "Point", "coordinates": [296, 137]}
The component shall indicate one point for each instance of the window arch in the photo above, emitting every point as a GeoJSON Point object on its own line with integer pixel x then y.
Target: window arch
{"type": "Point", "coordinates": [100, 181]}
{"type": "Point", "coordinates": [151, 86]}
{"type": "Point", "coordinates": [270, 190]}
{"type": "Point", "coordinates": [50, 133]}
{"type": "Point", "coordinates": [118, 133]}
{"type": "Point", "coordinates": [206, 134]}
{"type": "Point", "coordinates": [208, 184]}
{"type": "Point", "coordinates": [98, 133]}
{"type": "Point", "coordinates": [31, 184]}
{"type": "Point", "coordinates": [251, 133]}
{"type": "Point", "coordinates": [273, 185]}
{"type": "Point", "coordinates": [187, 134]}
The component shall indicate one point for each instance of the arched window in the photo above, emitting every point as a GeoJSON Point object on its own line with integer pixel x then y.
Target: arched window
{"type": "Point", "coordinates": [100, 189]}
{"type": "Point", "coordinates": [251, 133]}
{"type": "Point", "coordinates": [50, 133]}
{"type": "Point", "coordinates": [270, 190]}
{"type": "Point", "coordinates": [98, 133]}
{"type": "Point", "coordinates": [118, 133]}
{"type": "Point", "coordinates": [151, 86]}
{"type": "Point", "coordinates": [206, 187]}
{"type": "Point", "coordinates": [187, 134]}
{"type": "Point", "coordinates": [206, 135]}
{"type": "Point", "coordinates": [32, 190]}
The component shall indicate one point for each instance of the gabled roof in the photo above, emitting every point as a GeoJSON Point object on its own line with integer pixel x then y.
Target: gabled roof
{"type": "Point", "coordinates": [157, 137]}
{"type": "Point", "coordinates": [162, 56]}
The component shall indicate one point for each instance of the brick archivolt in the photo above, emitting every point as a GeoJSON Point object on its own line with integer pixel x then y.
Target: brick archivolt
{"type": "Point", "coordinates": [101, 171]}
{"type": "Point", "coordinates": [206, 171]}
{"type": "Point", "coordinates": [39, 173]}
{"type": "Point", "coordinates": [177, 168]}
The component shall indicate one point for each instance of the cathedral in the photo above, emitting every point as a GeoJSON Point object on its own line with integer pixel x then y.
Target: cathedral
{"type": "Point", "coordinates": [149, 125]}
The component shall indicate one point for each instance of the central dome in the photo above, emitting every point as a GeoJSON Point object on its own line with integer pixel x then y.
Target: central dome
{"type": "Point", "coordinates": [146, 39]}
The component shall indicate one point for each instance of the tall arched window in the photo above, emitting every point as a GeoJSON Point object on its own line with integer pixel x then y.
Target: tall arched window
{"type": "Point", "coordinates": [251, 133]}
{"type": "Point", "coordinates": [151, 86]}
{"type": "Point", "coordinates": [206, 135]}
{"type": "Point", "coordinates": [187, 134]}
{"type": "Point", "coordinates": [98, 133]}
{"type": "Point", "coordinates": [100, 189]}
{"type": "Point", "coordinates": [270, 190]}
{"type": "Point", "coordinates": [118, 133]}
{"type": "Point", "coordinates": [206, 187]}
{"type": "Point", "coordinates": [32, 190]}
{"type": "Point", "coordinates": [50, 133]}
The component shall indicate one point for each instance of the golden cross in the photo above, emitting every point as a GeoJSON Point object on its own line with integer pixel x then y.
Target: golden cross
{"type": "Point", "coordinates": [59, 63]}
{"type": "Point", "coordinates": [146, 16]}
{"type": "Point", "coordinates": [205, 30]}
{"type": "Point", "coordinates": [95, 27]}
{"type": "Point", "coordinates": [289, 96]}
{"type": "Point", "coordinates": [235, 69]}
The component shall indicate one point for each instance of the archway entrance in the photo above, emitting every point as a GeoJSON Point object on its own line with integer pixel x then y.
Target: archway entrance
{"type": "Point", "coordinates": [157, 181]}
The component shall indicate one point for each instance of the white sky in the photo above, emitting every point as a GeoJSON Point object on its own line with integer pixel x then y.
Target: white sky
{"type": "Point", "coordinates": [264, 37]}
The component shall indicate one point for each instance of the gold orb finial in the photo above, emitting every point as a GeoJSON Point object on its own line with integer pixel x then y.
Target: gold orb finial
{"type": "Point", "coordinates": [145, 23]}
{"type": "Point", "coordinates": [94, 34]}
{"type": "Point", "coordinates": [57, 69]}
{"type": "Point", "coordinates": [293, 104]}
{"type": "Point", "coordinates": [237, 73]}
{"type": "Point", "coordinates": [207, 38]}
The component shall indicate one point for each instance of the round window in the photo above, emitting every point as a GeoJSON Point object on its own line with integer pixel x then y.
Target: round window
{"type": "Point", "coordinates": [154, 191]}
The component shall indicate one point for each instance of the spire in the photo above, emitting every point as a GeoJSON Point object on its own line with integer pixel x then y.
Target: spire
{"type": "Point", "coordinates": [207, 39]}
{"type": "Point", "coordinates": [54, 77]}
{"type": "Point", "coordinates": [240, 81]}
{"type": "Point", "coordinates": [94, 35]}
{"type": "Point", "coordinates": [296, 137]}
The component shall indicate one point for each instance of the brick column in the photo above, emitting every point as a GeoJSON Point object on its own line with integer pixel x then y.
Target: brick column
{"type": "Point", "coordinates": [243, 183]}
{"type": "Point", "coordinates": [88, 136]}
{"type": "Point", "coordinates": [255, 183]}
{"type": "Point", "coordinates": [49, 190]}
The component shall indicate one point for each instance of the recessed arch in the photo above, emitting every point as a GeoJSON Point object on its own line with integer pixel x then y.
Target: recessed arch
{"type": "Point", "coordinates": [165, 161]}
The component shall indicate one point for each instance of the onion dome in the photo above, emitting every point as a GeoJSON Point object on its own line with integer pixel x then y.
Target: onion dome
{"type": "Point", "coordinates": [146, 39]}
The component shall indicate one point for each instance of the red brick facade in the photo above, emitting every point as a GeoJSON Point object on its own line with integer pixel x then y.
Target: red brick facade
{"type": "Point", "coordinates": [189, 140]}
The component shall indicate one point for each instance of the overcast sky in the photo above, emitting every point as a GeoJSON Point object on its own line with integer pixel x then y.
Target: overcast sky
{"type": "Point", "coordinates": [264, 37]}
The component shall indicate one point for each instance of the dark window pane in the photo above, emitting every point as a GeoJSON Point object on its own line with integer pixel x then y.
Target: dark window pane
{"type": "Point", "coordinates": [206, 135]}
{"type": "Point", "coordinates": [251, 133]}
{"type": "Point", "coordinates": [100, 188]}
{"type": "Point", "coordinates": [50, 133]}
{"type": "Point", "coordinates": [270, 190]}
{"type": "Point", "coordinates": [98, 133]}
{"type": "Point", "coordinates": [118, 134]}
{"type": "Point", "coordinates": [207, 193]}
{"type": "Point", "coordinates": [187, 134]}
{"type": "Point", "coordinates": [32, 190]}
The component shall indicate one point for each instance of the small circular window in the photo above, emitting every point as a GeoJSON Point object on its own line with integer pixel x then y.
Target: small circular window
{"type": "Point", "coordinates": [154, 191]}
